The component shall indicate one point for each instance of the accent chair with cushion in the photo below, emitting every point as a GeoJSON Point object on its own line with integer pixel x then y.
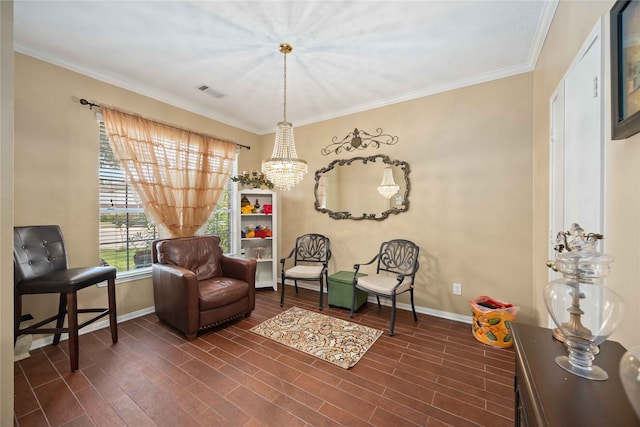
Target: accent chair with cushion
{"type": "Point", "coordinates": [197, 287]}
{"type": "Point", "coordinates": [311, 257]}
{"type": "Point", "coordinates": [395, 274]}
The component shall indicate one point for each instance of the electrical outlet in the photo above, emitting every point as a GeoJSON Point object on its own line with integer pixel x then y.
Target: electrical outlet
{"type": "Point", "coordinates": [457, 288]}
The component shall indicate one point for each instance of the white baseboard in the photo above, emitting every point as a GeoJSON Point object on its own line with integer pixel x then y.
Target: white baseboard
{"type": "Point", "coordinates": [314, 287]}
{"type": "Point", "coordinates": [403, 306]}
{"type": "Point", "coordinates": [93, 327]}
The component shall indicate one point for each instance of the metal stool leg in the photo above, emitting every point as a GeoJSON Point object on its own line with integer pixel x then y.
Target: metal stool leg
{"type": "Point", "coordinates": [72, 319]}
{"type": "Point", "coordinates": [62, 311]}
{"type": "Point", "coordinates": [113, 315]}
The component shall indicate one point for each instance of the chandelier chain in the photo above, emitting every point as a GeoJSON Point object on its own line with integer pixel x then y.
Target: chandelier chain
{"type": "Point", "coordinates": [285, 87]}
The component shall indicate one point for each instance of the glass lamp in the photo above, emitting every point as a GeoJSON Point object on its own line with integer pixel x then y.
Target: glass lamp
{"type": "Point", "coordinates": [630, 376]}
{"type": "Point", "coordinates": [584, 309]}
{"type": "Point", "coordinates": [388, 187]}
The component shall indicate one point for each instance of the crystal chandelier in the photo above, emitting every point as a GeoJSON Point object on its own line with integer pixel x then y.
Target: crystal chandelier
{"type": "Point", "coordinates": [388, 187]}
{"type": "Point", "coordinates": [284, 168]}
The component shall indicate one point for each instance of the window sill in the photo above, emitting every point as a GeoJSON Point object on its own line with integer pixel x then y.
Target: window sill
{"type": "Point", "coordinates": [130, 276]}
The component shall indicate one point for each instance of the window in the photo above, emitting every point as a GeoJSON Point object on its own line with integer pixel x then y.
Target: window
{"type": "Point", "coordinates": [125, 231]}
{"type": "Point", "coordinates": [220, 222]}
{"type": "Point", "coordinates": [126, 234]}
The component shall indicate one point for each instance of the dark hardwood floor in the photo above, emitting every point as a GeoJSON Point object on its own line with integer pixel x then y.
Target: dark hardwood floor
{"type": "Point", "coordinates": [432, 372]}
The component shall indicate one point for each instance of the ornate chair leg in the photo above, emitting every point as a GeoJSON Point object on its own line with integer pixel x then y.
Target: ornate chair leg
{"type": "Point", "coordinates": [378, 298]}
{"type": "Point", "coordinates": [321, 293]}
{"type": "Point", "coordinates": [393, 314]}
{"type": "Point", "coordinates": [415, 316]}
{"type": "Point", "coordinates": [353, 301]}
{"type": "Point", "coordinates": [282, 279]}
{"type": "Point", "coordinates": [326, 280]}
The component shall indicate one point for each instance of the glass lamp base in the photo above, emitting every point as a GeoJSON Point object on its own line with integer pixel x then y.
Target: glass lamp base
{"type": "Point", "coordinates": [592, 372]}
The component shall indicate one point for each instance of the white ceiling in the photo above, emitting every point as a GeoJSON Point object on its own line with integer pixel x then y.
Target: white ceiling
{"type": "Point", "coordinates": [348, 56]}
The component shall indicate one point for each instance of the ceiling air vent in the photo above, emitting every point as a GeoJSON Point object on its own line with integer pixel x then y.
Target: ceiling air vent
{"type": "Point", "coordinates": [212, 92]}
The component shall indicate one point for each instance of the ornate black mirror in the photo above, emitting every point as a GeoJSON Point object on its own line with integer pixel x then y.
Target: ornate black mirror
{"type": "Point", "coordinates": [371, 187]}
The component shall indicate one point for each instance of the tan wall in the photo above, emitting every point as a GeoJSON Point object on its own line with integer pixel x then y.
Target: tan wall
{"type": "Point", "coordinates": [470, 152]}
{"type": "Point", "coordinates": [572, 24]}
{"type": "Point", "coordinates": [471, 189]}
{"type": "Point", "coordinates": [464, 209]}
{"type": "Point", "coordinates": [56, 164]}
{"type": "Point", "coordinates": [6, 212]}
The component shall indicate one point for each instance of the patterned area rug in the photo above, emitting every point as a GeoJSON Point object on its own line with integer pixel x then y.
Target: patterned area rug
{"type": "Point", "coordinates": [334, 340]}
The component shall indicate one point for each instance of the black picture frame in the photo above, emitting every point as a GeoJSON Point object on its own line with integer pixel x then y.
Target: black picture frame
{"type": "Point", "coordinates": [625, 69]}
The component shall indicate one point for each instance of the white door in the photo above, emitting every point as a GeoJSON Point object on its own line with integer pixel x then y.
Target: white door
{"type": "Point", "coordinates": [583, 160]}
{"type": "Point", "coordinates": [577, 150]}
{"type": "Point", "coordinates": [556, 204]}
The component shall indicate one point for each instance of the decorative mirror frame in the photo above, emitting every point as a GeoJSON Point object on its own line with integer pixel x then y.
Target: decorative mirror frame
{"type": "Point", "coordinates": [404, 166]}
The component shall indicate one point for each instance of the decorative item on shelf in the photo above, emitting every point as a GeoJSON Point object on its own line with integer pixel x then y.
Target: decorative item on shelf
{"type": "Point", "coordinates": [630, 376]}
{"type": "Point", "coordinates": [267, 209]}
{"type": "Point", "coordinates": [388, 187]}
{"type": "Point", "coordinates": [256, 232]}
{"type": "Point", "coordinates": [253, 179]}
{"type": "Point", "coordinates": [284, 168]}
{"type": "Point", "coordinates": [246, 209]}
{"type": "Point", "coordinates": [262, 232]}
{"type": "Point", "coordinates": [257, 206]}
{"type": "Point", "coordinates": [353, 141]}
{"type": "Point", "coordinates": [258, 252]}
{"type": "Point", "coordinates": [584, 309]}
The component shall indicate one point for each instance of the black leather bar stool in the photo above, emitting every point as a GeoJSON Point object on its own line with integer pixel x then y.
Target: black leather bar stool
{"type": "Point", "coordinates": [40, 267]}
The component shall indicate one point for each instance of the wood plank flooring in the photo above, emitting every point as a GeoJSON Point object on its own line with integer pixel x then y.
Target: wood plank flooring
{"type": "Point", "coordinates": [432, 373]}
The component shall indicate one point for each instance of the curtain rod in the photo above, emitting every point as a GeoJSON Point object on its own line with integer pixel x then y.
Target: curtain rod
{"type": "Point", "coordinates": [91, 105]}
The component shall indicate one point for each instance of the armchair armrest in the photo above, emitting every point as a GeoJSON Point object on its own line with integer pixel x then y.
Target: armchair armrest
{"type": "Point", "coordinates": [282, 260]}
{"type": "Point", "coordinates": [356, 267]}
{"type": "Point", "coordinates": [175, 290]}
{"type": "Point", "coordinates": [239, 268]}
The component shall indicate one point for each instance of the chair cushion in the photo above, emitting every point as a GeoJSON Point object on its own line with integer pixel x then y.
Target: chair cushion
{"type": "Point", "coordinates": [65, 281]}
{"type": "Point", "coordinates": [382, 284]}
{"type": "Point", "coordinates": [198, 254]}
{"type": "Point", "coordinates": [221, 291]}
{"type": "Point", "coordinates": [304, 272]}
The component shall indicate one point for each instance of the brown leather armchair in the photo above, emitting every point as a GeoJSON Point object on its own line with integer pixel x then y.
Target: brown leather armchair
{"type": "Point", "coordinates": [196, 287]}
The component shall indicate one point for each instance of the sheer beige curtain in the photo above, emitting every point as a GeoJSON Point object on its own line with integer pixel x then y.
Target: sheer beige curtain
{"type": "Point", "coordinates": [179, 175]}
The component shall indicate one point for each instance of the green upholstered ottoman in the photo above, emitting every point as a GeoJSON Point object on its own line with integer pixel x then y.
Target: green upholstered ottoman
{"type": "Point", "coordinates": [340, 290]}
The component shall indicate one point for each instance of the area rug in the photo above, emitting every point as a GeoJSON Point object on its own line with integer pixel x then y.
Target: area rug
{"type": "Point", "coordinates": [333, 340]}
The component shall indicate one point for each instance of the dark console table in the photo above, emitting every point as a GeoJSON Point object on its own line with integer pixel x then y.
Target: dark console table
{"type": "Point", "coordinates": [547, 395]}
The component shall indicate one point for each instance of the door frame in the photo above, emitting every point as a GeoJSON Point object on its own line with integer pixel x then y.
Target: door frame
{"type": "Point", "coordinates": [556, 144]}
